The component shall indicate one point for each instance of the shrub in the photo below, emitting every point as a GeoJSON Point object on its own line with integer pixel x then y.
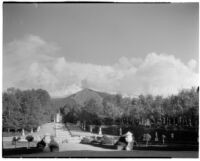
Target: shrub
{"type": "Point", "coordinates": [107, 140]}
{"type": "Point", "coordinates": [41, 144]}
{"type": "Point", "coordinates": [87, 140]}
{"type": "Point", "coordinates": [15, 139]}
{"type": "Point", "coordinates": [121, 143]}
{"type": "Point", "coordinates": [29, 138]}
{"type": "Point", "coordinates": [53, 145]}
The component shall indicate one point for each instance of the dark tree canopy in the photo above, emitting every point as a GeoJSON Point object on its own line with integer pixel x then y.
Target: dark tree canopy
{"type": "Point", "coordinates": [25, 109]}
{"type": "Point", "coordinates": [127, 111]}
{"type": "Point", "coordinates": [30, 108]}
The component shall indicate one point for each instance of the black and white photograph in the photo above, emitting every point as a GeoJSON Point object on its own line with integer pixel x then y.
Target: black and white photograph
{"type": "Point", "coordinates": [100, 79]}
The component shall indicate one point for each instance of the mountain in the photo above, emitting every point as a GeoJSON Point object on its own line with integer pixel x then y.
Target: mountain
{"type": "Point", "coordinates": [81, 98]}
{"type": "Point", "coordinates": [85, 95]}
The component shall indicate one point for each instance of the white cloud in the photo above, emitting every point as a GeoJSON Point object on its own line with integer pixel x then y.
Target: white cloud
{"type": "Point", "coordinates": [192, 64]}
{"type": "Point", "coordinates": [33, 63]}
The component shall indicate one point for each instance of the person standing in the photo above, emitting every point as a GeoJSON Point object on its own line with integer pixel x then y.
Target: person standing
{"type": "Point", "coordinates": [163, 138]}
{"type": "Point", "coordinates": [172, 137]}
{"type": "Point", "coordinates": [148, 138]}
{"type": "Point", "coordinates": [156, 137]}
{"type": "Point", "coordinates": [129, 140]}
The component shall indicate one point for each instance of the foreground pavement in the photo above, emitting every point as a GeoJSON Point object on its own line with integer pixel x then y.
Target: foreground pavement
{"type": "Point", "coordinates": [75, 150]}
{"type": "Point", "coordinates": [81, 147]}
{"type": "Point", "coordinates": [109, 154]}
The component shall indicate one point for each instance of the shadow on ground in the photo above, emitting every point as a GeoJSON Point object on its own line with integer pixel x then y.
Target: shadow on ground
{"type": "Point", "coordinates": [138, 152]}
{"type": "Point", "coordinates": [104, 146]}
{"type": "Point", "coordinates": [170, 147]}
{"type": "Point", "coordinates": [20, 151]}
{"type": "Point", "coordinates": [174, 147]}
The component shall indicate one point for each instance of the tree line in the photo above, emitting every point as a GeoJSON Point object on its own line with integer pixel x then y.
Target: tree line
{"type": "Point", "coordinates": [26, 109]}
{"type": "Point", "coordinates": [180, 110]}
{"type": "Point", "coordinates": [30, 108]}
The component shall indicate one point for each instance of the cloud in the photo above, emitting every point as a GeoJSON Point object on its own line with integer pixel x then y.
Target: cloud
{"type": "Point", "coordinates": [192, 64]}
{"type": "Point", "coordinates": [159, 75]}
{"type": "Point", "coordinates": [32, 62]}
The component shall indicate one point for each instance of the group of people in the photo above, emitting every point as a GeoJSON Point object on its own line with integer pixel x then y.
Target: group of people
{"type": "Point", "coordinates": [128, 140]}
{"type": "Point", "coordinates": [48, 142]}
{"type": "Point", "coordinates": [147, 138]}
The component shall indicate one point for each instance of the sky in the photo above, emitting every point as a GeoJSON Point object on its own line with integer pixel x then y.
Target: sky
{"type": "Point", "coordinates": [124, 48]}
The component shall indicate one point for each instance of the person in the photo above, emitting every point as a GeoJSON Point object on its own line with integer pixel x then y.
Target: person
{"type": "Point", "coordinates": [125, 142]}
{"type": "Point", "coordinates": [172, 137]}
{"type": "Point", "coordinates": [53, 145]}
{"type": "Point", "coordinates": [41, 144]}
{"type": "Point", "coordinates": [129, 139]}
{"type": "Point", "coordinates": [156, 137]}
{"type": "Point", "coordinates": [144, 137]}
{"type": "Point", "coordinates": [121, 143]}
{"type": "Point", "coordinates": [148, 138]}
{"type": "Point", "coordinates": [163, 138]}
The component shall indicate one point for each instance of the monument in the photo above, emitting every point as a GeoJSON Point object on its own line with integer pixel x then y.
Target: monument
{"type": "Point", "coordinates": [58, 118]}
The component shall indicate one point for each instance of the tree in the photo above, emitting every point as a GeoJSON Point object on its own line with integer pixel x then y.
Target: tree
{"type": "Point", "coordinates": [29, 138]}
{"type": "Point", "coordinates": [70, 111]}
{"type": "Point", "coordinates": [11, 115]}
{"type": "Point", "coordinates": [25, 109]}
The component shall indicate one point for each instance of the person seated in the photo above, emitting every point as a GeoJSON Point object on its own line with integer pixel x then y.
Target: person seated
{"type": "Point", "coordinates": [121, 143]}
{"type": "Point", "coordinates": [126, 141]}
{"type": "Point", "coordinates": [41, 144]}
{"type": "Point", "coordinates": [53, 145]}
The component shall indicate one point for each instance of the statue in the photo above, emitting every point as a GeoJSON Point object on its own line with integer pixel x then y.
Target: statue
{"type": "Point", "coordinates": [58, 117]}
{"type": "Point", "coordinates": [120, 131]}
{"type": "Point", "coordinates": [156, 137]}
{"type": "Point", "coordinates": [38, 129]}
{"type": "Point", "coordinates": [100, 131]}
{"type": "Point", "coordinates": [23, 133]}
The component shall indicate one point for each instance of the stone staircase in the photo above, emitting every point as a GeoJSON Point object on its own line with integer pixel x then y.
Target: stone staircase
{"type": "Point", "coordinates": [63, 135]}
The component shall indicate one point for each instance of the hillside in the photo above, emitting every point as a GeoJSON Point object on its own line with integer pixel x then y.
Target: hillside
{"type": "Point", "coordinates": [85, 95]}
{"type": "Point", "coordinates": [81, 98]}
